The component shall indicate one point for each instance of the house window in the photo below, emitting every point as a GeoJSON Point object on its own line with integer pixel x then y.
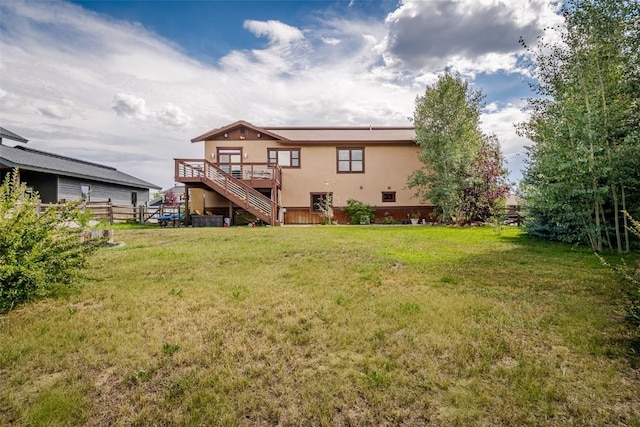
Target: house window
{"type": "Point", "coordinates": [134, 198]}
{"type": "Point", "coordinates": [85, 189]}
{"type": "Point", "coordinates": [388, 196]}
{"type": "Point", "coordinates": [284, 157]}
{"type": "Point", "coordinates": [350, 160]}
{"type": "Point", "coordinates": [230, 161]}
{"type": "Point", "coordinates": [318, 200]}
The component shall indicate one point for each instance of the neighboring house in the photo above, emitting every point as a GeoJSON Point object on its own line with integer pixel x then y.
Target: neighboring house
{"type": "Point", "coordinates": [178, 190]}
{"type": "Point", "coordinates": [282, 174]}
{"type": "Point", "coordinates": [58, 178]}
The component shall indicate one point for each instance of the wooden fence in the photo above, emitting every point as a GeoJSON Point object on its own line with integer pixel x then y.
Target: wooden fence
{"type": "Point", "coordinates": [106, 211]}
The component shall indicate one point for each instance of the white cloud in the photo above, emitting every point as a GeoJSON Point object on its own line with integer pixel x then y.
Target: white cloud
{"type": "Point", "coordinates": [501, 119]}
{"type": "Point", "coordinates": [84, 85]}
{"type": "Point", "coordinates": [276, 31]}
{"type": "Point", "coordinates": [61, 110]}
{"type": "Point", "coordinates": [469, 35]}
{"type": "Point", "coordinates": [133, 107]}
{"type": "Point", "coordinates": [172, 115]}
{"type": "Point", "coordinates": [330, 40]}
{"type": "Point", "coordinates": [130, 106]}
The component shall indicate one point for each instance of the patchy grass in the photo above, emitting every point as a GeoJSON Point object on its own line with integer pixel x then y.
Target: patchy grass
{"type": "Point", "coordinates": [324, 326]}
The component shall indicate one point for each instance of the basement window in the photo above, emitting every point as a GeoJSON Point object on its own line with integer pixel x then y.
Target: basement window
{"type": "Point", "coordinates": [388, 196]}
{"type": "Point", "coordinates": [317, 200]}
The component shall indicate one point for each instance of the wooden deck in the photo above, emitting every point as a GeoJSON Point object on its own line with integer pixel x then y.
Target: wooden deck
{"type": "Point", "coordinates": [236, 182]}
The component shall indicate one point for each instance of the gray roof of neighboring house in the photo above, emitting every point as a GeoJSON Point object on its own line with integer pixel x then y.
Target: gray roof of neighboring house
{"type": "Point", "coordinates": [4, 133]}
{"type": "Point", "coordinates": [40, 161]}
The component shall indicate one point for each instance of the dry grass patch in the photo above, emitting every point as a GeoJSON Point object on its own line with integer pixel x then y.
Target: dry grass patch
{"type": "Point", "coordinates": [325, 326]}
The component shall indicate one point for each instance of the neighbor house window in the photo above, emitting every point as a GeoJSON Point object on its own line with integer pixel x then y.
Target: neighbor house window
{"type": "Point", "coordinates": [86, 191]}
{"type": "Point", "coordinates": [284, 157]}
{"type": "Point", "coordinates": [388, 196]}
{"type": "Point", "coordinates": [134, 198]}
{"type": "Point", "coordinates": [350, 160]}
{"type": "Point", "coordinates": [318, 200]}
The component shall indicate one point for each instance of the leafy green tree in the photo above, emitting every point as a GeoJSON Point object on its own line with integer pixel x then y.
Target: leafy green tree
{"type": "Point", "coordinates": [447, 122]}
{"type": "Point", "coordinates": [39, 253]}
{"type": "Point", "coordinates": [582, 170]}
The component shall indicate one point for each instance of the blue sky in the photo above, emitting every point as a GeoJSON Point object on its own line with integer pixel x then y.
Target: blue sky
{"type": "Point", "coordinates": [128, 84]}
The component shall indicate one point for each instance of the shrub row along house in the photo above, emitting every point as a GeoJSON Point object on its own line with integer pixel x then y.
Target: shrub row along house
{"type": "Point", "coordinates": [284, 174]}
{"type": "Point", "coordinates": [59, 178]}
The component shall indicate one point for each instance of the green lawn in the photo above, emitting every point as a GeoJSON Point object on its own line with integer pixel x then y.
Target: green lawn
{"type": "Point", "coordinates": [303, 326]}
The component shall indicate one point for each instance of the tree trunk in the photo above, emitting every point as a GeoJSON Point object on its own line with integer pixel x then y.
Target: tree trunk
{"type": "Point", "coordinates": [624, 221]}
{"type": "Point", "coordinates": [606, 230]}
{"type": "Point", "coordinates": [616, 221]}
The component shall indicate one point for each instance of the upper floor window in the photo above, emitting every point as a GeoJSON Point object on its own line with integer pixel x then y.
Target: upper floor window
{"type": "Point", "coordinates": [350, 160]}
{"type": "Point", "coordinates": [284, 157]}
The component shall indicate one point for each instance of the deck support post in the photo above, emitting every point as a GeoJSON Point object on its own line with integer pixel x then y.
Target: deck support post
{"type": "Point", "coordinates": [186, 205]}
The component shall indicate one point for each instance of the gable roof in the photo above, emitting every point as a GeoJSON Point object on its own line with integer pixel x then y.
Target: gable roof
{"type": "Point", "coordinates": [4, 133]}
{"type": "Point", "coordinates": [324, 134]}
{"type": "Point", "coordinates": [240, 123]}
{"type": "Point", "coordinates": [40, 161]}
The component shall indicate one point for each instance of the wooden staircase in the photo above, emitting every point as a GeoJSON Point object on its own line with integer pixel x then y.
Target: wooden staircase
{"type": "Point", "coordinates": [243, 195]}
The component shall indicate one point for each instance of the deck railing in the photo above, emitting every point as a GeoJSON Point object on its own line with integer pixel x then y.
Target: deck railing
{"type": "Point", "coordinates": [227, 183]}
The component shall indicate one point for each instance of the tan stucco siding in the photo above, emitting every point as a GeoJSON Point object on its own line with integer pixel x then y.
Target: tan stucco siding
{"type": "Point", "coordinates": [199, 199]}
{"type": "Point", "coordinates": [386, 169]}
{"type": "Point", "coordinates": [256, 151]}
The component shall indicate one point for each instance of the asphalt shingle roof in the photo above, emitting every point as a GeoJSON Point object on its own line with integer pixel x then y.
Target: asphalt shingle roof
{"type": "Point", "coordinates": [4, 133]}
{"type": "Point", "coordinates": [346, 134]}
{"type": "Point", "coordinates": [40, 161]}
{"type": "Point", "coordinates": [325, 134]}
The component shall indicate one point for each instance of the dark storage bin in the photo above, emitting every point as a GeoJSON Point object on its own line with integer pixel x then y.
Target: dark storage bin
{"type": "Point", "coordinates": [206, 220]}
